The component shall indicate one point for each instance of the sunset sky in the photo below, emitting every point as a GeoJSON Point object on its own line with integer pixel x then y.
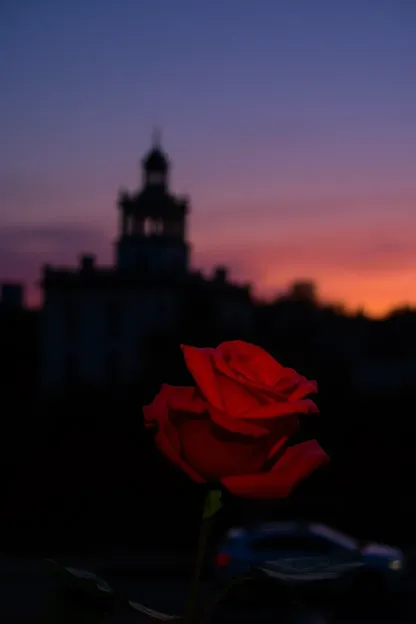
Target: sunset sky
{"type": "Point", "coordinates": [291, 124]}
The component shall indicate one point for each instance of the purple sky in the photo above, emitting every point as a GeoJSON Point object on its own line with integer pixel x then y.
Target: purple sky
{"type": "Point", "coordinates": [291, 124]}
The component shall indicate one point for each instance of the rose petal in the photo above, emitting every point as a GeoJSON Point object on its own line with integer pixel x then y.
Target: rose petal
{"type": "Point", "coordinates": [186, 399]}
{"type": "Point", "coordinates": [223, 392]}
{"type": "Point", "coordinates": [229, 378]}
{"type": "Point", "coordinates": [256, 388]}
{"type": "Point", "coordinates": [296, 463]}
{"type": "Point", "coordinates": [156, 411]}
{"type": "Point", "coordinates": [163, 440]}
{"type": "Point", "coordinates": [238, 398]}
{"type": "Point", "coordinates": [235, 425]}
{"type": "Point", "coordinates": [199, 365]}
{"type": "Point", "coordinates": [307, 387]}
{"type": "Point", "coordinates": [289, 374]}
{"type": "Point", "coordinates": [290, 386]}
{"type": "Point", "coordinates": [214, 452]}
{"type": "Point", "coordinates": [249, 360]}
{"type": "Point", "coordinates": [277, 410]}
{"type": "Point", "coordinates": [189, 401]}
{"type": "Point", "coordinates": [284, 429]}
{"type": "Point", "coordinates": [167, 438]}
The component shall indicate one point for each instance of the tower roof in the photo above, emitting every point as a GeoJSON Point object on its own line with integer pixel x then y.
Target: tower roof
{"type": "Point", "coordinates": [156, 159]}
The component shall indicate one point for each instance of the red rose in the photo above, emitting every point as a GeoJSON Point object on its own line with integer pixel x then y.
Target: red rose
{"type": "Point", "coordinates": [234, 424]}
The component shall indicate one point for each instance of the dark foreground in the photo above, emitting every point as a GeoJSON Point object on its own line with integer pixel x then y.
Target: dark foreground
{"type": "Point", "coordinates": [27, 589]}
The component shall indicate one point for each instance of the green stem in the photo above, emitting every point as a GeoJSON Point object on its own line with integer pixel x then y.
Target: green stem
{"type": "Point", "coordinates": [211, 506]}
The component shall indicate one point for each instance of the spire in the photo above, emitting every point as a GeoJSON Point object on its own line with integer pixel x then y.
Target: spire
{"type": "Point", "coordinates": [156, 137]}
{"type": "Point", "coordinates": [155, 164]}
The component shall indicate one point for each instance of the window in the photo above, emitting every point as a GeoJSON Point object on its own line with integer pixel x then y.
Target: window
{"type": "Point", "coordinates": [153, 226]}
{"type": "Point", "coordinates": [155, 178]}
{"type": "Point", "coordinates": [158, 229]}
{"type": "Point", "coordinates": [148, 227]}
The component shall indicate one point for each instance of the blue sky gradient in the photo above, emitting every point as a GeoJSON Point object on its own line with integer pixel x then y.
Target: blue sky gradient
{"type": "Point", "coordinates": [290, 123]}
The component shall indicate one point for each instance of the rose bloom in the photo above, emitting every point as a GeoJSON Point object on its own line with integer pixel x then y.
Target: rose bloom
{"type": "Point", "coordinates": [234, 424]}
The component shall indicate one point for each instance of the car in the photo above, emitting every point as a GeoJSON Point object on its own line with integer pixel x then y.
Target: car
{"type": "Point", "coordinates": [306, 554]}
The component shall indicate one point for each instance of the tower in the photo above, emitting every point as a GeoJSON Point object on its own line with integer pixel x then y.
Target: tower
{"type": "Point", "coordinates": [155, 165]}
{"type": "Point", "coordinates": [152, 223]}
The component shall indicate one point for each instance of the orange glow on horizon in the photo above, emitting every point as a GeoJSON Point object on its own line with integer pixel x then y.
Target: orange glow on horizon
{"type": "Point", "coordinates": [353, 296]}
{"type": "Point", "coordinates": [361, 263]}
{"type": "Point", "coordinates": [364, 267]}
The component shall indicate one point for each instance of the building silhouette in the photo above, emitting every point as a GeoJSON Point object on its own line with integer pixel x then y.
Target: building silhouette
{"type": "Point", "coordinates": [97, 322]}
{"type": "Point", "coordinates": [18, 342]}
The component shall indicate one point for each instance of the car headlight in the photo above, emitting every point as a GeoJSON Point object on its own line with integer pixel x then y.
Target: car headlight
{"type": "Point", "coordinates": [395, 564]}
